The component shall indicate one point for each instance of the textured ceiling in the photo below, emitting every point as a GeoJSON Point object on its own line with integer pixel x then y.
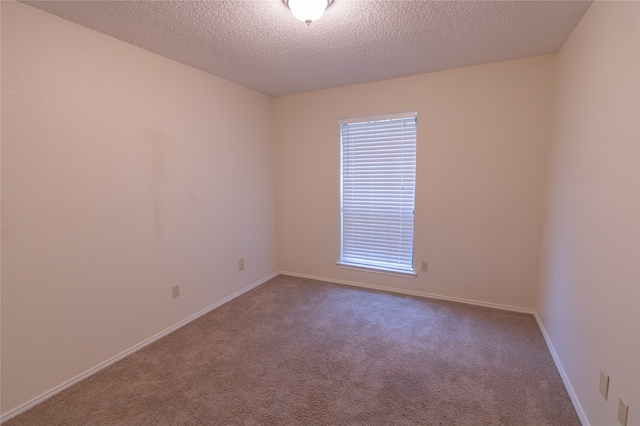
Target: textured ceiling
{"type": "Point", "coordinates": [260, 45]}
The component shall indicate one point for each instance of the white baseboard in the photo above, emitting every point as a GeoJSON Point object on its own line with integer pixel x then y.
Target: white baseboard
{"type": "Point", "coordinates": [563, 375]}
{"type": "Point", "coordinates": [39, 399]}
{"type": "Point", "coordinates": [18, 410]}
{"type": "Point", "coordinates": [414, 293]}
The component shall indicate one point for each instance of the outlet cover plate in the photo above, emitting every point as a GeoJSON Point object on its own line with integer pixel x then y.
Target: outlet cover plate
{"type": "Point", "coordinates": [623, 412]}
{"type": "Point", "coordinates": [604, 384]}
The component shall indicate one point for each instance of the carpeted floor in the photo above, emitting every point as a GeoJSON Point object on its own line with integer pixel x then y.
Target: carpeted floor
{"type": "Point", "coordinates": [300, 352]}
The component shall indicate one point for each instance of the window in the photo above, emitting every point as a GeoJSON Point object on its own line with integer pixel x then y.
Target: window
{"type": "Point", "coordinates": [378, 179]}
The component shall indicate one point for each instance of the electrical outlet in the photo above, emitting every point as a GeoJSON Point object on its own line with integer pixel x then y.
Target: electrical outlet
{"type": "Point", "coordinates": [241, 264]}
{"type": "Point", "coordinates": [604, 384]}
{"type": "Point", "coordinates": [623, 412]}
{"type": "Point", "coordinates": [176, 291]}
{"type": "Point", "coordinates": [424, 266]}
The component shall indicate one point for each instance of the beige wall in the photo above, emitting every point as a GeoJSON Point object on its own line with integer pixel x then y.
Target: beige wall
{"type": "Point", "coordinates": [124, 173]}
{"type": "Point", "coordinates": [589, 299]}
{"type": "Point", "coordinates": [483, 144]}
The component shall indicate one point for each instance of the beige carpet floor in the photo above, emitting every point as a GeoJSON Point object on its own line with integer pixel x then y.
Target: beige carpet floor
{"type": "Point", "coordinates": [301, 352]}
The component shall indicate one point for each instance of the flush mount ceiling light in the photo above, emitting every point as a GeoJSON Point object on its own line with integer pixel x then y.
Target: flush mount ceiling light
{"type": "Point", "coordinates": [307, 10]}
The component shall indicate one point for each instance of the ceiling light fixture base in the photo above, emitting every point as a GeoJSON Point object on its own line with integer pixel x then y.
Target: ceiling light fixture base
{"type": "Point", "coordinates": [307, 10]}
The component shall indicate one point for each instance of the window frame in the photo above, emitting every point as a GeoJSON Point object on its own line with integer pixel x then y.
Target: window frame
{"type": "Point", "coordinates": [370, 267]}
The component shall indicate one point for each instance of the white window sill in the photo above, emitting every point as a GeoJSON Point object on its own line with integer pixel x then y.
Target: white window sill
{"type": "Point", "coordinates": [374, 270]}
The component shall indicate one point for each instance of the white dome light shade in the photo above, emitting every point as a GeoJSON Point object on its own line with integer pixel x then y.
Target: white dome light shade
{"type": "Point", "coordinates": [308, 10]}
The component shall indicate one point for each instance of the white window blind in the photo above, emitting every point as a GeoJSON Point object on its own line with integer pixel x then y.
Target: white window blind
{"type": "Point", "coordinates": [378, 191]}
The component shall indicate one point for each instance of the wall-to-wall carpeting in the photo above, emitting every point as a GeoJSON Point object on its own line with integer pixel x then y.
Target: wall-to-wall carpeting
{"type": "Point", "coordinates": [298, 351]}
